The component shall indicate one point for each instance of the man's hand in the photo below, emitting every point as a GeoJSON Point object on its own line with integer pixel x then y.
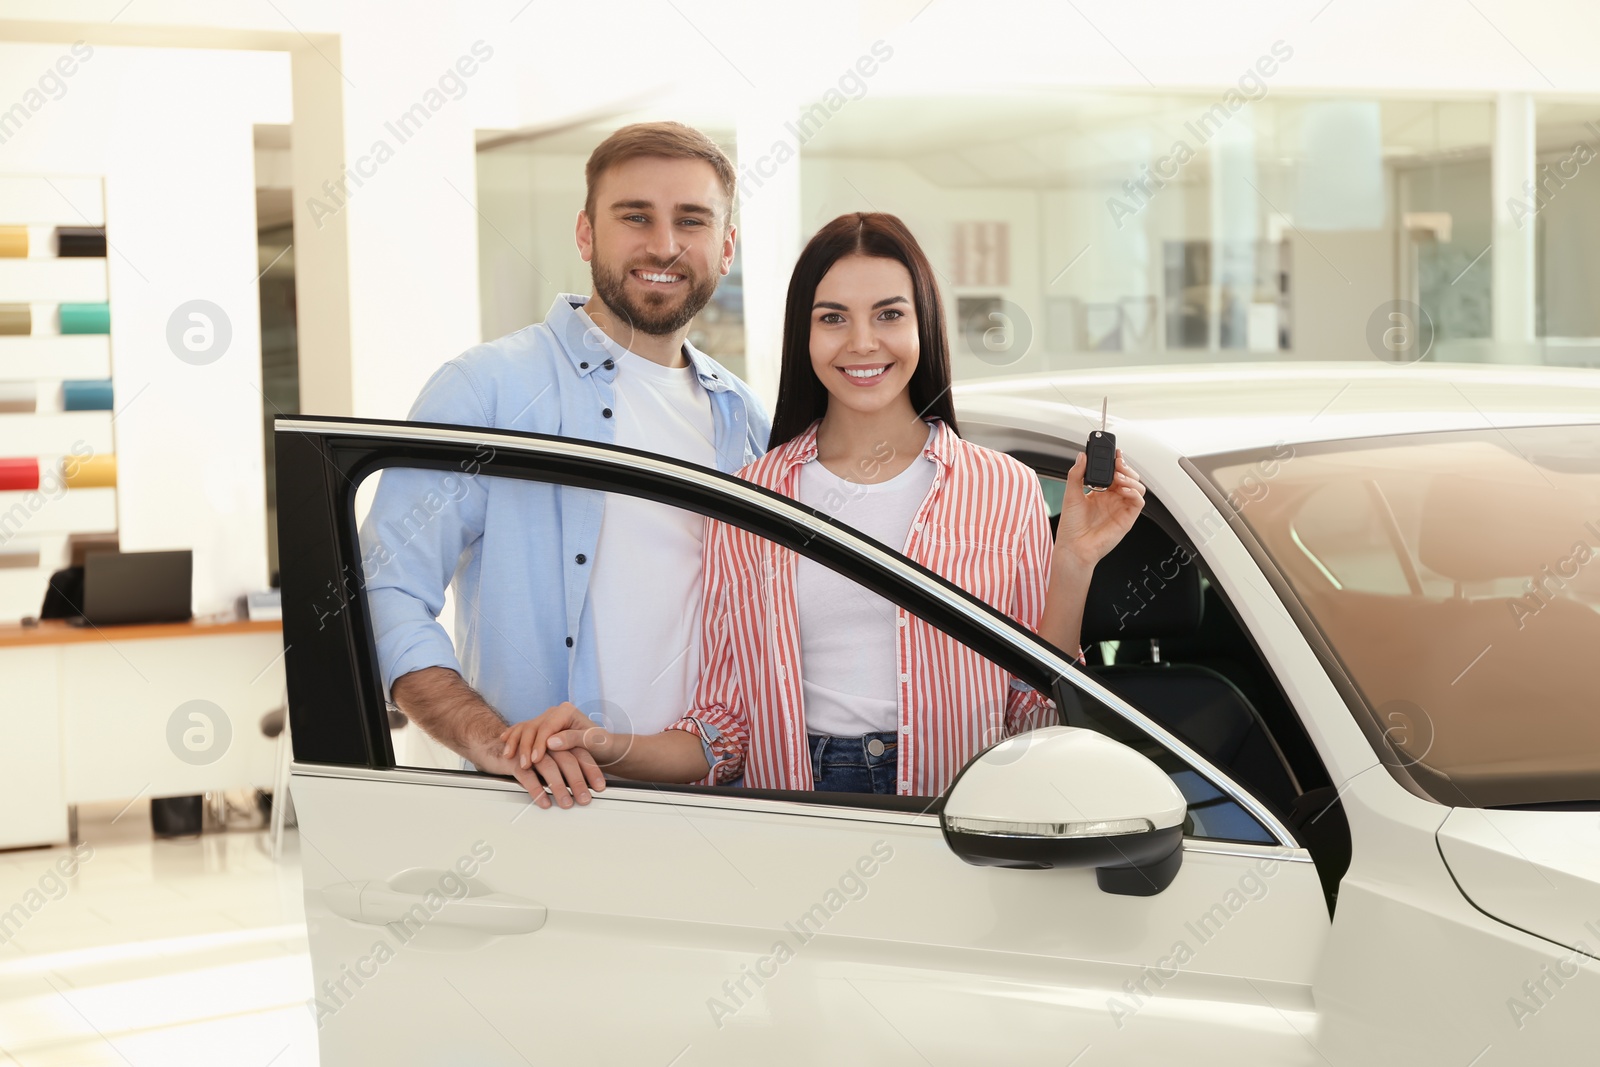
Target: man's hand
{"type": "Point", "coordinates": [452, 712]}
{"type": "Point", "coordinates": [570, 772]}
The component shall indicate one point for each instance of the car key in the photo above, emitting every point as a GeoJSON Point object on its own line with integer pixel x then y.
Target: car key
{"type": "Point", "coordinates": [1101, 469]}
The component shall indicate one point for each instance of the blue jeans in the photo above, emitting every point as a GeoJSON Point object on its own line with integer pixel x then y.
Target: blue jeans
{"type": "Point", "coordinates": [848, 764]}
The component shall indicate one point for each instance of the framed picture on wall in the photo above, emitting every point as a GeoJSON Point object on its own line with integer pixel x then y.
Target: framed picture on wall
{"type": "Point", "coordinates": [981, 254]}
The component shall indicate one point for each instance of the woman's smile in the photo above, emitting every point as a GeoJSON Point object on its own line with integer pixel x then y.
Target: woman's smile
{"type": "Point", "coordinates": [865, 375]}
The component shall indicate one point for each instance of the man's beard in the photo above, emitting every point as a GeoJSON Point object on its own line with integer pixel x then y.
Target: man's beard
{"type": "Point", "coordinates": [655, 314]}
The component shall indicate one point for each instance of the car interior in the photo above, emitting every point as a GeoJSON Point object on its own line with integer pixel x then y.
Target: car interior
{"type": "Point", "coordinates": [1158, 632]}
{"type": "Point", "coordinates": [1408, 642]}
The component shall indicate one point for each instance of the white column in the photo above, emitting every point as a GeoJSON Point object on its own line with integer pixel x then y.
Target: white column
{"type": "Point", "coordinates": [386, 226]}
{"type": "Point", "coordinates": [769, 236]}
{"type": "Point", "coordinates": [321, 252]}
{"type": "Point", "coordinates": [414, 221]}
{"type": "Point", "coordinates": [1236, 208]}
{"type": "Point", "coordinates": [1512, 169]}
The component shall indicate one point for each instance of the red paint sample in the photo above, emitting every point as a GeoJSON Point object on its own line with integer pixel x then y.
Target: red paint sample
{"type": "Point", "coordinates": [19, 473]}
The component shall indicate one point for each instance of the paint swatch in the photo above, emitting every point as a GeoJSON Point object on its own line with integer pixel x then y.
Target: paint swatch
{"type": "Point", "coordinates": [15, 320]}
{"type": "Point", "coordinates": [13, 242]}
{"type": "Point", "coordinates": [19, 556]}
{"type": "Point", "coordinates": [89, 472]}
{"type": "Point", "coordinates": [86, 395]}
{"type": "Point", "coordinates": [81, 241]}
{"type": "Point", "coordinates": [20, 473]}
{"type": "Point", "coordinates": [85, 318]}
{"type": "Point", "coordinates": [18, 398]}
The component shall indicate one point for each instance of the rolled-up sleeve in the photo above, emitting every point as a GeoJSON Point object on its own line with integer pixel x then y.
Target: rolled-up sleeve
{"type": "Point", "coordinates": [719, 716]}
{"type": "Point", "coordinates": [420, 523]}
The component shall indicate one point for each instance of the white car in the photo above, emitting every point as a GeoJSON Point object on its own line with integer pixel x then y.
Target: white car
{"type": "Point", "coordinates": [1329, 791]}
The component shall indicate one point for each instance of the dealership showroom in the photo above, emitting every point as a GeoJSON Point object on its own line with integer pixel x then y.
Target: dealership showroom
{"type": "Point", "coordinates": [447, 451]}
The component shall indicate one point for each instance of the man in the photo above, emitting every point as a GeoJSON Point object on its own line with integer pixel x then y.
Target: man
{"type": "Point", "coordinates": [547, 578]}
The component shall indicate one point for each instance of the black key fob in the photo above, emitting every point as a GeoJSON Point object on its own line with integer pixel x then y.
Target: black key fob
{"type": "Point", "coordinates": [1101, 467]}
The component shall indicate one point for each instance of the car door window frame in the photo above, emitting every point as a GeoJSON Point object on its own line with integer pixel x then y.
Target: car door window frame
{"type": "Point", "coordinates": [330, 651]}
{"type": "Point", "coordinates": [1048, 466]}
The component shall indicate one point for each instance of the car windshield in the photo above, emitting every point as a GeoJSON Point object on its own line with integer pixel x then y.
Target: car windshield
{"type": "Point", "coordinates": [1456, 579]}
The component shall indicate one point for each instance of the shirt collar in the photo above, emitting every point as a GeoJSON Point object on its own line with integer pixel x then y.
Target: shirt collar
{"type": "Point", "coordinates": [589, 349]}
{"type": "Point", "coordinates": [941, 446]}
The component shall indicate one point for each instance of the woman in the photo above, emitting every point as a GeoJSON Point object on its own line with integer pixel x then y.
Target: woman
{"type": "Point", "coordinates": [808, 681]}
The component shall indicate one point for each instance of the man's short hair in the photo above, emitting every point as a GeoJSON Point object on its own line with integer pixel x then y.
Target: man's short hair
{"type": "Point", "coordinates": [664, 140]}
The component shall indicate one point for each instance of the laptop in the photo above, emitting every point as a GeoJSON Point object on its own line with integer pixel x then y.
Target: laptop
{"type": "Point", "coordinates": [122, 588]}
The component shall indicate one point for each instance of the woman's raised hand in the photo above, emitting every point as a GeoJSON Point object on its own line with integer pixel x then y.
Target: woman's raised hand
{"type": "Point", "coordinates": [1093, 523]}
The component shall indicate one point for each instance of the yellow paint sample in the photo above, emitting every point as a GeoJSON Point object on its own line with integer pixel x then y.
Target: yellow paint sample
{"type": "Point", "coordinates": [13, 242]}
{"type": "Point", "coordinates": [91, 472]}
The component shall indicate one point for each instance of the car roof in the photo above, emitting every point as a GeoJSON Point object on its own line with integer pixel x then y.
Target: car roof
{"type": "Point", "coordinates": [1197, 409]}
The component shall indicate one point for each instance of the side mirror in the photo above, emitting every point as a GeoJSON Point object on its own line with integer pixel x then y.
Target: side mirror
{"type": "Point", "coordinates": [1065, 797]}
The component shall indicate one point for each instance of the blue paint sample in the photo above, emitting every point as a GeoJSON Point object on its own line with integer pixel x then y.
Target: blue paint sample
{"type": "Point", "coordinates": [86, 395]}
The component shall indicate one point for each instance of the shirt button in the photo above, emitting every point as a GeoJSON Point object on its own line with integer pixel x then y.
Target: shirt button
{"type": "Point", "coordinates": [605, 413]}
{"type": "Point", "coordinates": [905, 729]}
{"type": "Point", "coordinates": [905, 677]}
{"type": "Point", "coordinates": [609, 364]}
{"type": "Point", "coordinates": [901, 621]}
{"type": "Point", "coordinates": [917, 525]}
{"type": "Point", "coordinates": [569, 642]}
{"type": "Point", "coordinates": [905, 786]}
{"type": "Point", "coordinates": [581, 558]}
{"type": "Point", "coordinates": [583, 366]}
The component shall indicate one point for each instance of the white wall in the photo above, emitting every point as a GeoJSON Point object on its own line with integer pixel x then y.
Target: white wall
{"type": "Point", "coordinates": [405, 296]}
{"type": "Point", "coordinates": [413, 226]}
{"type": "Point", "coordinates": [527, 249]}
{"type": "Point", "coordinates": [171, 131]}
{"type": "Point", "coordinates": [173, 134]}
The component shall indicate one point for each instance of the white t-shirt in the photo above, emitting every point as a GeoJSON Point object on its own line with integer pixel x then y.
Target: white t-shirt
{"type": "Point", "coordinates": [847, 633]}
{"type": "Point", "coordinates": [645, 589]}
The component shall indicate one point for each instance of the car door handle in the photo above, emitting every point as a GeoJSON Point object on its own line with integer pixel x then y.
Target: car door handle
{"type": "Point", "coordinates": [378, 903]}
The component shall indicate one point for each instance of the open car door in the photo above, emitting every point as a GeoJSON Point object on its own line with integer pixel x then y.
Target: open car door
{"type": "Point", "coordinates": [452, 921]}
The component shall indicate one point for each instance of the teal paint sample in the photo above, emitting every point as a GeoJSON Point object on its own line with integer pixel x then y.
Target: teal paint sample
{"type": "Point", "coordinates": [86, 395]}
{"type": "Point", "coordinates": [85, 318]}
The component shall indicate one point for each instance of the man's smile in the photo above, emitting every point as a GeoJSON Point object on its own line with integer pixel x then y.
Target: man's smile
{"type": "Point", "coordinates": [657, 278]}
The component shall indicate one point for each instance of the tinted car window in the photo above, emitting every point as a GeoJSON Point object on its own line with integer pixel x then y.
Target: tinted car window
{"type": "Point", "coordinates": [1454, 577]}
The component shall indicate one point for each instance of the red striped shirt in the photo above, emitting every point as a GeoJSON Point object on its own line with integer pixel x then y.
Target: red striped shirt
{"type": "Point", "coordinates": [983, 526]}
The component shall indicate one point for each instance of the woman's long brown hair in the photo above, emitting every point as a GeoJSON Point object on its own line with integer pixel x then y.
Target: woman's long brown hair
{"type": "Point", "coordinates": [802, 398]}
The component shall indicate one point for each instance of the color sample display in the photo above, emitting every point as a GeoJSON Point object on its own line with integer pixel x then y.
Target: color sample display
{"type": "Point", "coordinates": [18, 397]}
{"type": "Point", "coordinates": [15, 320]}
{"type": "Point", "coordinates": [80, 241]}
{"type": "Point", "coordinates": [93, 394]}
{"type": "Point", "coordinates": [13, 242]}
{"type": "Point", "coordinates": [85, 318]}
{"type": "Point", "coordinates": [20, 473]}
{"type": "Point", "coordinates": [93, 472]}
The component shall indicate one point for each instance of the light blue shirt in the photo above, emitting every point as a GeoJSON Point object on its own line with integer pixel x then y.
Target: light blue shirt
{"type": "Point", "coordinates": [510, 548]}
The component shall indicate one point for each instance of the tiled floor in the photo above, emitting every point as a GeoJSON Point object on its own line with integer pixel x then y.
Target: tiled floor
{"type": "Point", "coordinates": [154, 953]}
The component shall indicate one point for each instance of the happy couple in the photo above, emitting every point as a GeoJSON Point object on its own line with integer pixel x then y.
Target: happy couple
{"type": "Point", "coordinates": [794, 678]}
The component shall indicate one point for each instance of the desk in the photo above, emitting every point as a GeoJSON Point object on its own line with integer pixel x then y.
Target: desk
{"type": "Point", "coordinates": [86, 715]}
